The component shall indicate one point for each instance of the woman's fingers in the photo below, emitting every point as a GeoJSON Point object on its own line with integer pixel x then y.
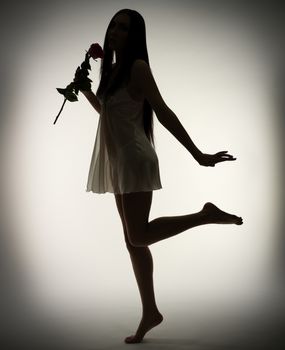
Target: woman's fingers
{"type": "Point", "coordinates": [223, 158]}
{"type": "Point", "coordinates": [228, 157]}
{"type": "Point", "coordinates": [223, 154]}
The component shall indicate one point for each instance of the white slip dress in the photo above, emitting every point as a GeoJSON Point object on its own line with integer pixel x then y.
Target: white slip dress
{"type": "Point", "coordinates": [123, 159]}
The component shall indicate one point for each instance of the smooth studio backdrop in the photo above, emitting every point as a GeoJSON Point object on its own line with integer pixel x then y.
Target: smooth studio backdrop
{"type": "Point", "coordinates": [218, 67]}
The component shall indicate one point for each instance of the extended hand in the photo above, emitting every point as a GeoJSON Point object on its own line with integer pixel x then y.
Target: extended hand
{"type": "Point", "coordinates": [212, 159]}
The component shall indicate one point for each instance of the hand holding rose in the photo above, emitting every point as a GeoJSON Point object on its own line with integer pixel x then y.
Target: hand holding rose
{"type": "Point", "coordinates": [81, 80]}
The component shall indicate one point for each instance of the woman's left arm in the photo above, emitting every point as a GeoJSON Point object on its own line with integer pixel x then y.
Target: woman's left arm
{"type": "Point", "coordinates": [143, 78]}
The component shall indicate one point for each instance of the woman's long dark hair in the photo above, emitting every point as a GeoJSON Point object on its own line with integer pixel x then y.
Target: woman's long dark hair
{"type": "Point", "coordinates": [135, 49]}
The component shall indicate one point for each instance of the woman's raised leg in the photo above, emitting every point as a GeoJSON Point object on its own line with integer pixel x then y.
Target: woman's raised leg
{"type": "Point", "coordinates": [142, 233]}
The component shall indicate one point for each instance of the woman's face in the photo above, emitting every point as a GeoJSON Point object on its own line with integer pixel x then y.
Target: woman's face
{"type": "Point", "coordinates": [118, 32]}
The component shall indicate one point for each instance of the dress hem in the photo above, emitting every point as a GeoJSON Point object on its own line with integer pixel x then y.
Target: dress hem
{"type": "Point", "coordinates": [153, 189]}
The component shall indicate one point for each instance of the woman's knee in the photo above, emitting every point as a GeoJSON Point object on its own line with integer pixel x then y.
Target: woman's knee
{"type": "Point", "coordinates": [127, 241]}
{"type": "Point", "coordinates": [133, 242]}
{"type": "Point", "coordinates": [136, 241]}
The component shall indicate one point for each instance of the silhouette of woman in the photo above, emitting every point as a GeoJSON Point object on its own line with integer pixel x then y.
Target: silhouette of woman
{"type": "Point", "coordinates": [124, 160]}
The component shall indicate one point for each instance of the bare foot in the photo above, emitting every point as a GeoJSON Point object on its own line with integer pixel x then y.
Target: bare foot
{"type": "Point", "coordinates": [146, 324]}
{"type": "Point", "coordinates": [218, 216]}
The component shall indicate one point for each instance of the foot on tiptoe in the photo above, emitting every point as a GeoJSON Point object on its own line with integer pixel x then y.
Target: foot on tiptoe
{"type": "Point", "coordinates": [146, 324]}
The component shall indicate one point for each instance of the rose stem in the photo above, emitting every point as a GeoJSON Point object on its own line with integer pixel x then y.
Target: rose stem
{"type": "Point", "coordinates": [60, 111]}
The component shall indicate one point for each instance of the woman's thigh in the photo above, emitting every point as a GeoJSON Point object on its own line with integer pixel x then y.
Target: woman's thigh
{"type": "Point", "coordinates": [118, 199]}
{"type": "Point", "coordinates": [119, 204]}
{"type": "Point", "coordinates": [136, 208]}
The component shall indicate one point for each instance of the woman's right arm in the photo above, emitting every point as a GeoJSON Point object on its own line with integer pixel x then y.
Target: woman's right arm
{"type": "Point", "coordinates": [92, 98]}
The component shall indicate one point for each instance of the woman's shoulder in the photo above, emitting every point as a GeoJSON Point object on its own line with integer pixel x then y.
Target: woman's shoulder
{"type": "Point", "coordinates": [139, 62]}
{"type": "Point", "coordinates": [140, 68]}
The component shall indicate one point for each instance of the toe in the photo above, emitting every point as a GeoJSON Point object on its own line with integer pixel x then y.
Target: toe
{"type": "Point", "coordinates": [129, 339]}
{"type": "Point", "coordinates": [132, 339]}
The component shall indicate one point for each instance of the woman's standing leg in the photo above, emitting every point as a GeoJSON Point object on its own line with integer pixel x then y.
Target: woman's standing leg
{"type": "Point", "coordinates": [142, 263]}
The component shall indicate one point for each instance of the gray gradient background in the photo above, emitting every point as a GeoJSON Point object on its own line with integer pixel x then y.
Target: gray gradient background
{"type": "Point", "coordinates": [66, 278]}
